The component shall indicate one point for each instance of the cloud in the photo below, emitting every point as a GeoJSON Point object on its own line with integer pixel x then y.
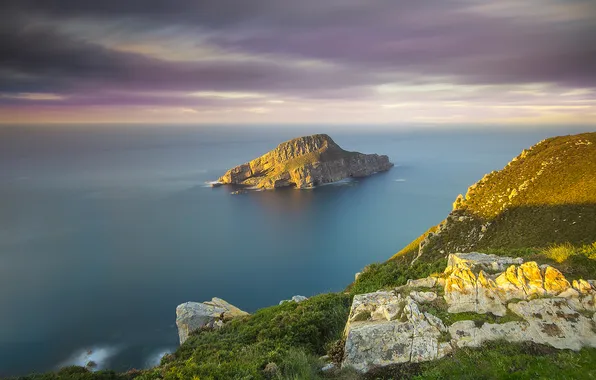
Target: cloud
{"type": "Point", "coordinates": [393, 55]}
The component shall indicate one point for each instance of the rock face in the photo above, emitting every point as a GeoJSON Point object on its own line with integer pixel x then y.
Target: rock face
{"type": "Point", "coordinates": [540, 304]}
{"type": "Point", "coordinates": [383, 328]}
{"type": "Point", "coordinates": [305, 162]}
{"type": "Point", "coordinates": [468, 288]}
{"type": "Point", "coordinates": [191, 316]}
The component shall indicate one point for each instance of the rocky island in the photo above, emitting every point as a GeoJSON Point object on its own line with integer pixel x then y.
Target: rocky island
{"type": "Point", "coordinates": [305, 162]}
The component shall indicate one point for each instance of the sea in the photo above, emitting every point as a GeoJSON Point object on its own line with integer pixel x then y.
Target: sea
{"type": "Point", "coordinates": [105, 229]}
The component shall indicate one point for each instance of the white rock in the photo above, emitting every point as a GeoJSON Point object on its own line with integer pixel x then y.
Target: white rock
{"type": "Point", "coordinates": [296, 299]}
{"type": "Point", "coordinates": [552, 321]}
{"type": "Point", "coordinates": [375, 337]}
{"type": "Point", "coordinates": [467, 334]}
{"type": "Point", "coordinates": [481, 261]}
{"type": "Point", "coordinates": [427, 282]}
{"type": "Point", "coordinates": [191, 316]}
{"type": "Point", "coordinates": [422, 297]}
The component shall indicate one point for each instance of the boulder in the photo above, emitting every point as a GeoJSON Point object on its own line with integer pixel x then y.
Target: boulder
{"type": "Point", "coordinates": [192, 316]}
{"type": "Point", "coordinates": [296, 299]}
{"type": "Point", "coordinates": [427, 282]}
{"type": "Point", "coordinates": [422, 297]}
{"type": "Point", "coordinates": [384, 329]}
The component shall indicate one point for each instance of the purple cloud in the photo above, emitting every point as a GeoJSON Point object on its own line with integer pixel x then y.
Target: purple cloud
{"type": "Point", "coordinates": [309, 50]}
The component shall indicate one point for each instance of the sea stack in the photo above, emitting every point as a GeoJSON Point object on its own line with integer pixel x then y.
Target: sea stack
{"type": "Point", "coordinates": [305, 162]}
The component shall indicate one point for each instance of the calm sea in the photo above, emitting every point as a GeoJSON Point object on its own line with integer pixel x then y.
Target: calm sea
{"type": "Point", "coordinates": [105, 229]}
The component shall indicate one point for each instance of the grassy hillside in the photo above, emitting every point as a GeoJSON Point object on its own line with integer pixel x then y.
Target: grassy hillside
{"type": "Point", "coordinates": [542, 206]}
{"type": "Point", "coordinates": [544, 197]}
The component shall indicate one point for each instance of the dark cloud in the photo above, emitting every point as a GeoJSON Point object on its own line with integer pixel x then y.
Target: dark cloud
{"type": "Point", "coordinates": [365, 43]}
{"type": "Point", "coordinates": [42, 59]}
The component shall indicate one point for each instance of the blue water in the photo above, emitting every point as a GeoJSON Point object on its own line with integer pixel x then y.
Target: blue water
{"type": "Point", "coordinates": [105, 229]}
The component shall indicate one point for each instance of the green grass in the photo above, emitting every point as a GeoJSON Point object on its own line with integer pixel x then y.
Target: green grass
{"type": "Point", "coordinates": [502, 360]}
{"type": "Point", "coordinates": [412, 248]}
{"type": "Point", "coordinates": [554, 204]}
{"type": "Point", "coordinates": [80, 373]}
{"type": "Point", "coordinates": [557, 171]}
{"type": "Point", "coordinates": [290, 335]}
{"type": "Point", "coordinates": [499, 360]}
{"type": "Point", "coordinates": [393, 273]}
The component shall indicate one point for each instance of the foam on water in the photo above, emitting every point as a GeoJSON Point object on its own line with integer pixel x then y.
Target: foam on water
{"type": "Point", "coordinates": [341, 182]}
{"type": "Point", "coordinates": [212, 183]}
{"type": "Point", "coordinates": [155, 358]}
{"type": "Point", "coordinates": [100, 355]}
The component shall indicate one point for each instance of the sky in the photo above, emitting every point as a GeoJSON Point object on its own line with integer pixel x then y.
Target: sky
{"type": "Point", "coordinates": [300, 61]}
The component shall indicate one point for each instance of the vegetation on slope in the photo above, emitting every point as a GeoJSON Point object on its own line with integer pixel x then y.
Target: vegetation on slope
{"type": "Point", "coordinates": [243, 348]}
{"type": "Point", "coordinates": [500, 360]}
{"type": "Point", "coordinates": [546, 196]}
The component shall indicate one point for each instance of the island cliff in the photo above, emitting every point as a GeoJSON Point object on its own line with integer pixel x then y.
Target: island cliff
{"type": "Point", "coordinates": [305, 162]}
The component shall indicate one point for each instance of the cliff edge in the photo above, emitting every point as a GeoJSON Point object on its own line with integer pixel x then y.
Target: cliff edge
{"type": "Point", "coordinates": [305, 162]}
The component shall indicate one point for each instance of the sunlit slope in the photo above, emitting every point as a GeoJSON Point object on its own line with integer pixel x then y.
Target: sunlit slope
{"type": "Point", "coordinates": [544, 196]}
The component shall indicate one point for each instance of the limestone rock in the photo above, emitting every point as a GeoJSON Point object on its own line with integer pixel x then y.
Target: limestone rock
{"type": "Point", "coordinates": [296, 299]}
{"type": "Point", "coordinates": [554, 322]}
{"type": "Point", "coordinates": [466, 291]}
{"type": "Point", "coordinates": [427, 282]}
{"type": "Point", "coordinates": [422, 297]}
{"type": "Point", "coordinates": [467, 334]}
{"type": "Point", "coordinates": [460, 290]}
{"type": "Point", "coordinates": [548, 321]}
{"type": "Point", "coordinates": [230, 312]}
{"type": "Point", "coordinates": [554, 281]}
{"type": "Point", "coordinates": [384, 329]}
{"type": "Point", "coordinates": [582, 286]}
{"type": "Point", "coordinates": [484, 261]}
{"type": "Point", "coordinates": [191, 316]}
{"type": "Point", "coordinates": [305, 162]}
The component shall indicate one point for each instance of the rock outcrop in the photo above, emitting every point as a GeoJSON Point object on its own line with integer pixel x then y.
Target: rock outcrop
{"type": "Point", "coordinates": [383, 328]}
{"type": "Point", "coordinates": [407, 324]}
{"type": "Point", "coordinates": [192, 316]}
{"type": "Point", "coordinates": [296, 299]}
{"type": "Point", "coordinates": [305, 162]}
{"type": "Point", "coordinates": [470, 289]}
